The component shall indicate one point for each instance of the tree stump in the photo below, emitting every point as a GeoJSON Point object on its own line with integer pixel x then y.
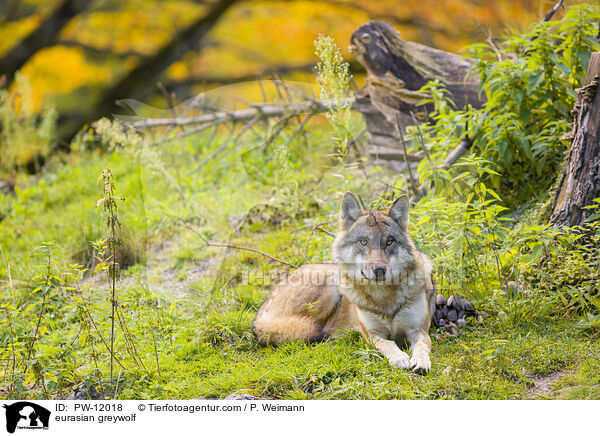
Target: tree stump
{"type": "Point", "coordinates": [580, 179]}
{"type": "Point", "coordinates": [396, 70]}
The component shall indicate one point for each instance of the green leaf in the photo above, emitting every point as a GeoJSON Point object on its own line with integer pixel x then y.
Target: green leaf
{"type": "Point", "coordinates": [494, 194]}
{"type": "Point", "coordinates": [535, 80]}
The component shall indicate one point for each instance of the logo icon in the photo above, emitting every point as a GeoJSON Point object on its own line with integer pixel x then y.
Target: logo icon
{"type": "Point", "coordinates": [26, 415]}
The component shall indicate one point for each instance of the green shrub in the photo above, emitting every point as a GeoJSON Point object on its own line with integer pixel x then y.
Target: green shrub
{"type": "Point", "coordinates": [530, 84]}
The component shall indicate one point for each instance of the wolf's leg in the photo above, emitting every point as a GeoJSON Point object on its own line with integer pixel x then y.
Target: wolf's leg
{"type": "Point", "coordinates": [390, 350]}
{"type": "Point", "coordinates": [274, 331]}
{"type": "Point", "coordinates": [420, 344]}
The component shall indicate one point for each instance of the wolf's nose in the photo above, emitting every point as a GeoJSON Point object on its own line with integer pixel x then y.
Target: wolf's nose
{"type": "Point", "coordinates": [379, 272]}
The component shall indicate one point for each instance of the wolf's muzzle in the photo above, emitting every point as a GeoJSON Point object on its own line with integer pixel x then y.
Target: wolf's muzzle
{"type": "Point", "coordinates": [379, 273]}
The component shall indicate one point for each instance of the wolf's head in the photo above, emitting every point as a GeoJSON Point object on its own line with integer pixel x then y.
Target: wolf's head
{"type": "Point", "coordinates": [374, 246]}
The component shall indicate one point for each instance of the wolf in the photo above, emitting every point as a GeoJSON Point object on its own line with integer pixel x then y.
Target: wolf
{"type": "Point", "coordinates": [379, 284]}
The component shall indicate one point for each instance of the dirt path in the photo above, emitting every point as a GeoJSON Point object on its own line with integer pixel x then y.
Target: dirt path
{"type": "Point", "coordinates": [543, 385]}
{"type": "Point", "coordinates": [159, 275]}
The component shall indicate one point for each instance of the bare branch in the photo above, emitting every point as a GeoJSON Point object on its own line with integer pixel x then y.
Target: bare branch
{"type": "Point", "coordinates": [193, 131]}
{"type": "Point", "coordinates": [461, 149]}
{"type": "Point", "coordinates": [261, 111]}
{"type": "Point", "coordinates": [297, 130]}
{"type": "Point", "coordinates": [421, 139]}
{"type": "Point", "coordinates": [406, 160]}
{"type": "Point", "coordinates": [354, 144]}
{"type": "Point", "coordinates": [168, 97]}
{"type": "Point", "coordinates": [262, 89]}
{"type": "Point", "coordinates": [321, 229]}
{"type": "Point", "coordinates": [281, 125]}
{"type": "Point", "coordinates": [208, 243]}
{"type": "Point", "coordinates": [278, 82]}
{"type": "Point", "coordinates": [553, 11]}
{"type": "Point", "coordinates": [489, 38]}
{"type": "Point", "coordinates": [230, 140]}
{"type": "Point", "coordinates": [101, 337]}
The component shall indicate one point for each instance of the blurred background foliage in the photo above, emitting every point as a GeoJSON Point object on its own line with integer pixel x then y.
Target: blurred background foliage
{"type": "Point", "coordinates": [108, 38]}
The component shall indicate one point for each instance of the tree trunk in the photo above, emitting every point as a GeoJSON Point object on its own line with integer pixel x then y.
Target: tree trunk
{"type": "Point", "coordinates": [580, 179]}
{"type": "Point", "coordinates": [44, 36]}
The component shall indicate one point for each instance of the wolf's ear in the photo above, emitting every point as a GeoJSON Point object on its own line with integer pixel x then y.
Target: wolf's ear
{"type": "Point", "coordinates": [350, 210]}
{"type": "Point", "coordinates": [399, 211]}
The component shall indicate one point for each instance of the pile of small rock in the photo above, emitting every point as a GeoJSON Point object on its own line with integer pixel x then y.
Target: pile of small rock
{"type": "Point", "coordinates": [81, 392]}
{"type": "Point", "coordinates": [452, 314]}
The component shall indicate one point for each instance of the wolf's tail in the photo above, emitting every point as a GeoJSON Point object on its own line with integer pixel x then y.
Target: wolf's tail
{"type": "Point", "coordinates": [274, 331]}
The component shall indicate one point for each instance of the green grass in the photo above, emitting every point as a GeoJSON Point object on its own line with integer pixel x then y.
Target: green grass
{"type": "Point", "coordinates": [346, 368]}
{"type": "Point", "coordinates": [188, 309]}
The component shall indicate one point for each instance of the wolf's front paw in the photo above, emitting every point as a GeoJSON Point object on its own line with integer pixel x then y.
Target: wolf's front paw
{"type": "Point", "coordinates": [401, 360]}
{"type": "Point", "coordinates": [420, 364]}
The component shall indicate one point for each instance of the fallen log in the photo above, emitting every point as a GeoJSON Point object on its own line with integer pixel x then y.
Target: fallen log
{"type": "Point", "coordinates": [396, 71]}
{"type": "Point", "coordinates": [260, 111]}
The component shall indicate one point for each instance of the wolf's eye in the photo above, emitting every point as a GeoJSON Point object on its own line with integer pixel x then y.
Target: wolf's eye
{"type": "Point", "coordinates": [363, 241]}
{"type": "Point", "coordinates": [390, 242]}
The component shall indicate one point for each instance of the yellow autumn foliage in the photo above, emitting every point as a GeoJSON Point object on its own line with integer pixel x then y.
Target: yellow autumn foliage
{"type": "Point", "coordinates": [140, 26]}
{"type": "Point", "coordinates": [60, 70]}
{"type": "Point", "coordinates": [15, 31]}
{"type": "Point", "coordinates": [251, 37]}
